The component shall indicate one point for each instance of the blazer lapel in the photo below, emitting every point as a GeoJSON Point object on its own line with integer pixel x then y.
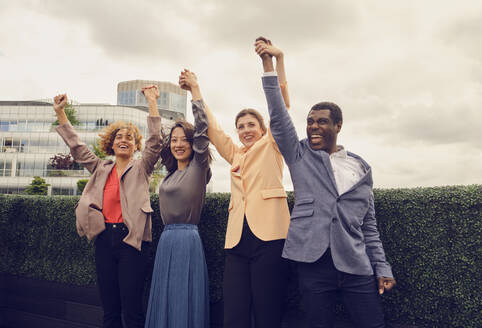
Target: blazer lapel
{"type": "Point", "coordinates": [366, 178]}
{"type": "Point", "coordinates": [128, 167]}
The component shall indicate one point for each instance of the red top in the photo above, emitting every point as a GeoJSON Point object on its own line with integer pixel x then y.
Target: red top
{"type": "Point", "coordinates": [111, 205]}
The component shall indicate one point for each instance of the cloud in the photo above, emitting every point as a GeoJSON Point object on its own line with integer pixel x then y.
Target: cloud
{"type": "Point", "coordinates": [408, 75]}
{"type": "Point", "coordinates": [166, 29]}
{"type": "Point", "coordinates": [302, 23]}
{"type": "Point", "coordinates": [128, 29]}
{"type": "Point", "coordinates": [465, 35]}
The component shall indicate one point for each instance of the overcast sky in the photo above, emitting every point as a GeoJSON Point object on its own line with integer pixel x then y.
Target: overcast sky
{"type": "Point", "coordinates": [407, 74]}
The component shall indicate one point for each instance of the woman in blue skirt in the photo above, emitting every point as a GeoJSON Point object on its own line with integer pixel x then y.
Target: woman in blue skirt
{"type": "Point", "coordinates": [179, 296]}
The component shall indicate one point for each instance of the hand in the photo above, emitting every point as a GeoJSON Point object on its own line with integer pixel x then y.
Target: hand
{"type": "Point", "coordinates": [385, 284]}
{"type": "Point", "coordinates": [60, 101]}
{"type": "Point", "coordinates": [264, 47]}
{"type": "Point", "coordinates": [151, 93]}
{"type": "Point", "coordinates": [188, 80]}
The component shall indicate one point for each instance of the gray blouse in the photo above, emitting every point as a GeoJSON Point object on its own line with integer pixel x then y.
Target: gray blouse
{"type": "Point", "coordinates": [182, 192]}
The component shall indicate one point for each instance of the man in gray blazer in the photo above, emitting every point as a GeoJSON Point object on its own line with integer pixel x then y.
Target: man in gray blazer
{"type": "Point", "coordinates": [333, 235]}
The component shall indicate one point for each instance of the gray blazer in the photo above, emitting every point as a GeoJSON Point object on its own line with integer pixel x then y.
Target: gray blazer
{"type": "Point", "coordinates": [322, 218]}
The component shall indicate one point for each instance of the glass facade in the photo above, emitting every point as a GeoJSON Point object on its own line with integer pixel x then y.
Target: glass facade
{"type": "Point", "coordinates": [178, 102]}
{"type": "Point", "coordinates": [126, 98]}
{"type": "Point", "coordinates": [171, 96]}
{"type": "Point", "coordinates": [28, 141]}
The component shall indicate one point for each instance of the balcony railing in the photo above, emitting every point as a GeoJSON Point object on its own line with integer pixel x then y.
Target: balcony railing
{"type": "Point", "coordinates": [67, 173]}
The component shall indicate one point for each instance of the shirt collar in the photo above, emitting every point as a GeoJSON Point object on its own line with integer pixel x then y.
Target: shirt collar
{"type": "Point", "coordinates": [340, 152]}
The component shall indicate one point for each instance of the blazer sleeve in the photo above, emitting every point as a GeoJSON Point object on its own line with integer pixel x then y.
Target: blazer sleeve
{"type": "Point", "coordinates": [201, 140]}
{"type": "Point", "coordinates": [152, 148]}
{"type": "Point", "coordinates": [79, 150]}
{"type": "Point", "coordinates": [373, 244]}
{"type": "Point", "coordinates": [223, 143]}
{"type": "Point", "coordinates": [286, 98]}
{"type": "Point", "coordinates": [281, 125]}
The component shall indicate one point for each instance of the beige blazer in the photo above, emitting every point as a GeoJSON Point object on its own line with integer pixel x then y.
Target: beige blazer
{"type": "Point", "coordinates": [256, 186]}
{"type": "Point", "coordinates": [133, 184]}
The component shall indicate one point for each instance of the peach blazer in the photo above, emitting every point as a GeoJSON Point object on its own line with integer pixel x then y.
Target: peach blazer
{"type": "Point", "coordinates": [256, 186]}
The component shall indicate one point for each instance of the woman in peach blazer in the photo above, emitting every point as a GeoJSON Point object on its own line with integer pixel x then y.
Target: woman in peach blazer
{"type": "Point", "coordinates": [255, 274]}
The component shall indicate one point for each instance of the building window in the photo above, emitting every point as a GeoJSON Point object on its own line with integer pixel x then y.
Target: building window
{"type": "Point", "coordinates": [63, 191]}
{"type": "Point", "coordinates": [178, 103]}
{"type": "Point", "coordinates": [163, 100]}
{"type": "Point", "coordinates": [3, 126]}
{"type": "Point", "coordinates": [5, 168]}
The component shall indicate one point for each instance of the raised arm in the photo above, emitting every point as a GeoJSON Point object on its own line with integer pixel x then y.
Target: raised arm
{"type": "Point", "coordinates": [281, 125]}
{"type": "Point", "coordinates": [188, 81]}
{"type": "Point", "coordinates": [152, 94]}
{"type": "Point", "coordinates": [264, 47]}
{"type": "Point", "coordinates": [152, 149]}
{"type": "Point", "coordinates": [223, 143]}
{"type": "Point", "coordinates": [79, 150]}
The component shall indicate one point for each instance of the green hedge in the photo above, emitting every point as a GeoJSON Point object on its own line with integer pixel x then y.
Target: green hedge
{"type": "Point", "coordinates": [431, 237]}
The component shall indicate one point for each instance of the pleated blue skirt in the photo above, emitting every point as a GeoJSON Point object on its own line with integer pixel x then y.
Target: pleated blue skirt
{"type": "Point", "coordinates": [179, 296]}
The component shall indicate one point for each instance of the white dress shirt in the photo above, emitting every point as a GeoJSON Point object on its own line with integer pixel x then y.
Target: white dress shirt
{"type": "Point", "coordinates": [346, 169]}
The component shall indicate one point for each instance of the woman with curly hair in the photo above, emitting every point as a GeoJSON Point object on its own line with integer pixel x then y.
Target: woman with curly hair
{"type": "Point", "coordinates": [179, 296]}
{"type": "Point", "coordinates": [115, 209]}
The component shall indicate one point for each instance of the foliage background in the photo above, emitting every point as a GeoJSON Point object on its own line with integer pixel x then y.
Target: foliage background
{"type": "Point", "coordinates": [431, 237]}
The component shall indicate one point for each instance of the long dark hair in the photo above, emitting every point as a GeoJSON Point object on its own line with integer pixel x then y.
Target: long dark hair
{"type": "Point", "coordinates": [167, 158]}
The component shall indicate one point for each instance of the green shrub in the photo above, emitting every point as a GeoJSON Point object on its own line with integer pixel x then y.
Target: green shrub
{"type": "Point", "coordinates": [38, 186]}
{"type": "Point", "coordinates": [81, 185]}
{"type": "Point", "coordinates": [431, 237]}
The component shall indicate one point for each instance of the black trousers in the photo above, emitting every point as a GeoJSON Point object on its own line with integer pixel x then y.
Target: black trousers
{"type": "Point", "coordinates": [255, 277]}
{"type": "Point", "coordinates": [121, 273]}
{"type": "Point", "coordinates": [320, 283]}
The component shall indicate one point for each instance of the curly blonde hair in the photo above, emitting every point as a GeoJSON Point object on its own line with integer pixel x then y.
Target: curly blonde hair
{"type": "Point", "coordinates": [108, 135]}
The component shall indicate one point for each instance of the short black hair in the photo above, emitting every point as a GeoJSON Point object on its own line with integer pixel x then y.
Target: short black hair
{"type": "Point", "coordinates": [335, 111]}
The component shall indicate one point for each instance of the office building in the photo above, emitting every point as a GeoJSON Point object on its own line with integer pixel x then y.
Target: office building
{"type": "Point", "coordinates": [28, 139]}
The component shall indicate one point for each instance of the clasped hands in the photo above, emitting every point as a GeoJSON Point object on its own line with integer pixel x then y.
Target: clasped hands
{"type": "Point", "coordinates": [151, 93]}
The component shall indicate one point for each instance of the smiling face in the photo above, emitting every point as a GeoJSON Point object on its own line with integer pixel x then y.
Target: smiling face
{"type": "Point", "coordinates": [321, 130]}
{"type": "Point", "coordinates": [180, 146]}
{"type": "Point", "coordinates": [249, 130]}
{"type": "Point", "coordinates": [124, 144]}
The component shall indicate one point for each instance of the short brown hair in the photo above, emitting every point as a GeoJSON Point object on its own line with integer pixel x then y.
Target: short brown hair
{"type": "Point", "coordinates": [255, 113]}
{"type": "Point", "coordinates": [167, 158]}
{"type": "Point", "coordinates": [108, 135]}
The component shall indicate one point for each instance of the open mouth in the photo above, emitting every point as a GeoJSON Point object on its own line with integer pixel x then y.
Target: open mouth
{"type": "Point", "coordinates": [123, 147]}
{"type": "Point", "coordinates": [316, 138]}
{"type": "Point", "coordinates": [248, 138]}
{"type": "Point", "coordinates": [179, 152]}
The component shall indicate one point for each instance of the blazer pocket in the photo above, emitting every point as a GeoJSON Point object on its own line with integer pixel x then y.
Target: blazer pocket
{"type": "Point", "coordinates": [303, 208]}
{"type": "Point", "coordinates": [273, 193]}
{"type": "Point", "coordinates": [147, 208]}
{"type": "Point", "coordinates": [304, 201]}
{"type": "Point", "coordinates": [302, 213]}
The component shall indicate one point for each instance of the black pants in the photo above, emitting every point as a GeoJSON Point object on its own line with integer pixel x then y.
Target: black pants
{"type": "Point", "coordinates": [320, 282]}
{"type": "Point", "coordinates": [255, 277]}
{"type": "Point", "coordinates": [121, 273]}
